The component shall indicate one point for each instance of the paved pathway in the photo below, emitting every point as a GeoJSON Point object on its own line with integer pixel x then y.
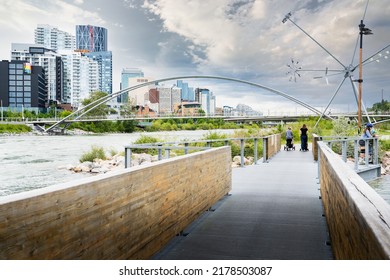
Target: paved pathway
{"type": "Point", "coordinates": [274, 212]}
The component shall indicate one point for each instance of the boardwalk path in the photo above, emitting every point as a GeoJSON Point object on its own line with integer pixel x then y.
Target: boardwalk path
{"type": "Point", "coordinates": [274, 212]}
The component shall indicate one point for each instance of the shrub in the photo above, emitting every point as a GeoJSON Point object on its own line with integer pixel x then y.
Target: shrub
{"type": "Point", "coordinates": [95, 153]}
{"type": "Point", "coordinates": [144, 139]}
{"type": "Point", "coordinates": [14, 128]}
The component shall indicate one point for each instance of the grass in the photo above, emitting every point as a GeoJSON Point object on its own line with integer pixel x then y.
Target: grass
{"type": "Point", "coordinates": [96, 152]}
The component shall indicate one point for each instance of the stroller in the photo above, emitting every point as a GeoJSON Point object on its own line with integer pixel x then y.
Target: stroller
{"type": "Point", "coordinates": [289, 145]}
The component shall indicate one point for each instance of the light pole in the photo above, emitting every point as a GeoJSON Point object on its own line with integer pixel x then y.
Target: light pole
{"type": "Point", "coordinates": [363, 31]}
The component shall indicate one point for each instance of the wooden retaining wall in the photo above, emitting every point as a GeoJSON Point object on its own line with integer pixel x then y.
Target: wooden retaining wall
{"type": "Point", "coordinates": [314, 146]}
{"type": "Point", "coordinates": [273, 143]}
{"type": "Point", "coordinates": [126, 214]}
{"type": "Point", "coordinates": [358, 218]}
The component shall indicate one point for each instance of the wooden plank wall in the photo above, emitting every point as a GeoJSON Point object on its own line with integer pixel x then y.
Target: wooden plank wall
{"type": "Point", "coordinates": [314, 145]}
{"type": "Point", "coordinates": [273, 145]}
{"type": "Point", "coordinates": [128, 214]}
{"type": "Point", "coordinates": [358, 218]}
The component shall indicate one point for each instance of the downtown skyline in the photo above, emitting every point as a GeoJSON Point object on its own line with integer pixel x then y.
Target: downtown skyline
{"type": "Point", "coordinates": [238, 39]}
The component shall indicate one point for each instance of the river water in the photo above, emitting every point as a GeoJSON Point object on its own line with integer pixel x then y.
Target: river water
{"type": "Point", "coordinates": [31, 162]}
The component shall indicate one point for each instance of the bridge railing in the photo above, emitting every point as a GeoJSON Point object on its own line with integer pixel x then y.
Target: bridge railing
{"type": "Point", "coordinates": [270, 146]}
{"type": "Point", "coordinates": [358, 218]}
{"type": "Point", "coordinates": [349, 147]}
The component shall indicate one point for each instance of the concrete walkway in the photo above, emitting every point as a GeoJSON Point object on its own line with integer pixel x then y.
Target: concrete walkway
{"type": "Point", "coordinates": [274, 212]}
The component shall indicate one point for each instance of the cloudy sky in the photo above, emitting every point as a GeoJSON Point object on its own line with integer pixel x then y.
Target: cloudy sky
{"type": "Point", "coordinates": [241, 39]}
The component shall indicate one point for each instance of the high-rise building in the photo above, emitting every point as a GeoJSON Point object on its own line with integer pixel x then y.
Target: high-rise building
{"type": "Point", "coordinates": [125, 75]}
{"type": "Point", "coordinates": [168, 98]}
{"type": "Point", "coordinates": [104, 59]}
{"type": "Point", "coordinates": [22, 86]}
{"type": "Point", "coordinates": [38, 55]}
{"type": "Point", "coordinates": [207, 100]}
{"type": "Point", "coordinates": [81, 77]}
{"type": "Point", "coordinates": [92, 42]}
{"type": "Point", "coordinates": [54, 39]}
{"type": "Point", "coordinates": [91, 38]}
{"type": "Point", "coordinates": [187, 93]}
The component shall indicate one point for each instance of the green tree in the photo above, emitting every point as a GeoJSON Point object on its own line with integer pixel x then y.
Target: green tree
{"type": "Point", "coordinates": [127, 110]}
{"type": "Point", "coordinates": [201, 112]}
{"type": "Point", "coordinates": [381, 107]}
{"type": "Point", "coordinates": [101, 110]}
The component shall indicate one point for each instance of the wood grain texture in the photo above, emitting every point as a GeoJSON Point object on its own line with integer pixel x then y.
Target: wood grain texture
{"type": "Point", "coordinates": [358, 218]}
{"type": "Point", "coordinates": [129, 214]}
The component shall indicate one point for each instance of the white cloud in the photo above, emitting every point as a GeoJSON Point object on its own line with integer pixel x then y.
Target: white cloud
{"type": "Point", "coordinates": [248, 39]}
{"type": "Point", "coordinates": [237, 38]}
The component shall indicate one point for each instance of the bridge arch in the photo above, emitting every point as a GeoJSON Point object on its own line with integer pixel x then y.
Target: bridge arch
{"type": "Point", "coordinates": [82, 111]}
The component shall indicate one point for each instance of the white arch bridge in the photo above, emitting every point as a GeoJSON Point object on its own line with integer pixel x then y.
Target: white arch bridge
{"type": "Point", "coordinates": [82, 111]}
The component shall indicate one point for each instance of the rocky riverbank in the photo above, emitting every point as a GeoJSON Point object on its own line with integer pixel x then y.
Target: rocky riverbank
{"type": "Point", "coordinates": [111, 163]}
{"type": "Point", "coordinates": [99, 166]}
{"type": "Point", "coordinates": [118, 161]}
{"type": "Point", "coordinates": [386, 163]}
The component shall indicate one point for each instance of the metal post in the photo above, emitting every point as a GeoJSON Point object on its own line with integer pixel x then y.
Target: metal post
{"type": "Point", "coordinates": [367, 153]}
{"type": "Point", "coordinates": [363, 31]}
{"type": "Point", "coordinates": [356, 153]}
{"type": "Point", "coordinates": [242, 152]}
{"type": "Point", "coordinates": [167, 153]}
{"type": "Point", "coordinates": [185, 148]}
{"type": "Point", "coordinates": [127, 157]}
{"type": "Point", "coordinates": [360, 81]}
{"type": "Point", "coordinates": [265, 141]}
{"type": "Point", "coordinates": [159, 151]}
{"type": "Point", "coordinates": [344, 150]}
{"type": "Point", "coordinates": [376, 151]}
{"type": "Point", "coordinates": [255, 152]}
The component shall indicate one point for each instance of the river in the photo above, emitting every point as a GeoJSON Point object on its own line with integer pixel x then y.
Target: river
{"type": "Point", "coordinates": [31, 162]}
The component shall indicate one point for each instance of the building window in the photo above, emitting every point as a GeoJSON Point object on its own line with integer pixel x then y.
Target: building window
{"type": "Point", "coordinates": [27, 77]}
{"type": "Point", "coordinates": [19, 77]}
{"type": "Point", "coordinates": [27, 83]}
{"type": "Point", "coordinates": [11, 88]}
{"type": "Point", "coordinates": [27, 94]}
{"type": "Point", "coordinates": [19, 83]}
{"type": "Point", "coordinates": [11, 77]}
{"type": "Point", "coordinates": [19, 72]}
{"type": "Point", "coordinates": [19, 94]}
{"type": "Point", "coordinates": [12, 71]}
{"type": "Point", "coordinates": [27, 88]}
{"type": "Point", "coordinates": [19, 100]}
{"type": "Point", "coordinates": [27, 100]}
{"type": "Point", "coordinates": [12, 100]}
{"type": "Point", "coordinates": [19, 66]}
{"type": "Point", "coordinates": [12, 94]}
{"type": "Point", "coordinates": [11, 65]}
{"type": "Point", "coordinates": [12, 83]}
{"type": "Point", "coordinates": [19, 88]}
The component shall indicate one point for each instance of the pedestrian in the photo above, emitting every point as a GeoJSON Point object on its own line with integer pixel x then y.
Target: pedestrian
{"type": "Point", "coordinates": [289, 138]}
{"type": "Point", "coordinates": [303, 132]}
{"type": "Point", "coordinates": [366, 136]}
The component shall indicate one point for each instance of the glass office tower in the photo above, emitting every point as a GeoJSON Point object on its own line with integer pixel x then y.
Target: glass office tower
{"type": "Point", "coordinates": [91, 38]}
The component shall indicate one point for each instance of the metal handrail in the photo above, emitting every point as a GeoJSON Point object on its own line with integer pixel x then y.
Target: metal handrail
{"type": "Point", "coordinates": [184, 145]}
{"type": "Point", "coordinates": [371, 147]}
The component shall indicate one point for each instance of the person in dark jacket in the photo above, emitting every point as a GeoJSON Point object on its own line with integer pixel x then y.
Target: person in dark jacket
{"type": "Point", "coordinates": [303, 132]}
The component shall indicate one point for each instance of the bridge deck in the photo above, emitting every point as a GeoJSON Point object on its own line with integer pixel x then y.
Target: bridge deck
{"type": "Point", "coordinates": [274, 212]}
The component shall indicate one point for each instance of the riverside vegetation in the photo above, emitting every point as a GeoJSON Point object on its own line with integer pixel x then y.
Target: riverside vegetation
{"type": "Point", "coordinates": [98, 160]}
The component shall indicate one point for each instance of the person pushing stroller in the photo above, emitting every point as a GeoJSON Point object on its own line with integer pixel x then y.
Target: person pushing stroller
{"type": "Point", "coordinates": [289, 140]}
